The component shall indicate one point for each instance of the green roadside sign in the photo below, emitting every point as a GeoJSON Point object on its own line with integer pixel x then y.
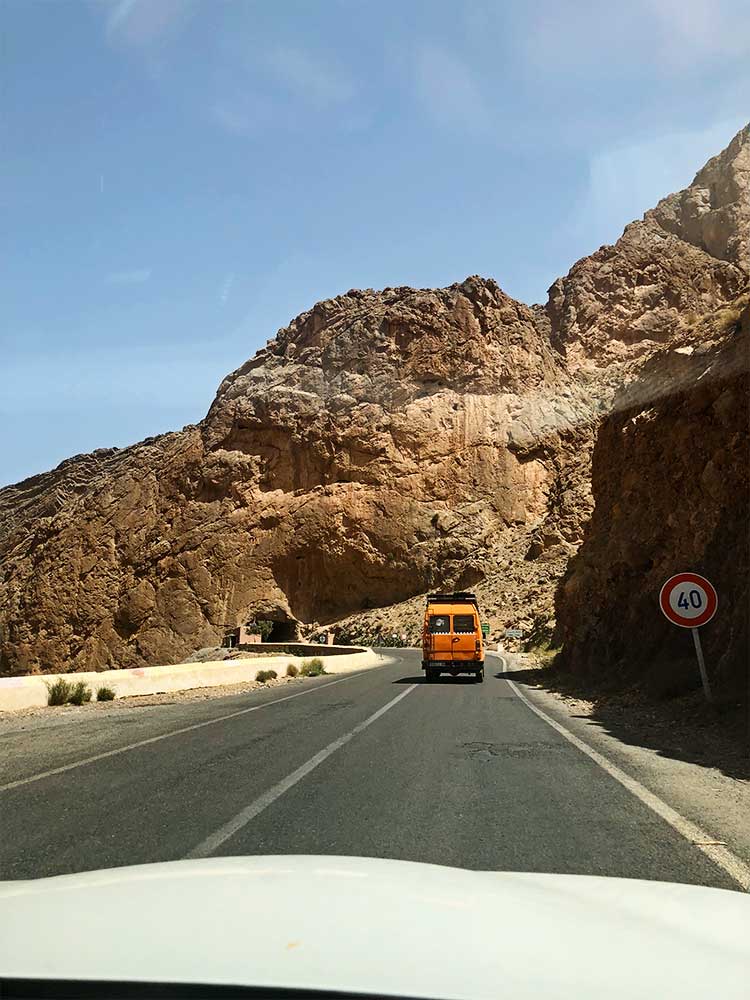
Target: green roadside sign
{"type": "Point", "coordinates": [485, 629]}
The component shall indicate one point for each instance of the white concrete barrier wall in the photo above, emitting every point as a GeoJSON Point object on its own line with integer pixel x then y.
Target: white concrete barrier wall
{"type": "Point", "coordinates": [30, 691]}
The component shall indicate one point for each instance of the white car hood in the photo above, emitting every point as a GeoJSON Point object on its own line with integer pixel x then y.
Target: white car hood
{"type": "Point", "coordinates": [384, 927]}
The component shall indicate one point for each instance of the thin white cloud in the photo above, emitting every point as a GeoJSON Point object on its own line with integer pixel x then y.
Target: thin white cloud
{"type": "Point", "coordinates": [226, 288]}
{"type": "Point", "coordinates": [448, 91]}
{"type": "Point", "coordinates": [697, 30]}
{"type": "Point", "coordinates": [137, 276]}
{"type": "Point", "coordinates": [231, 119]}
{"type": "Point", "coordinates": [309, 78]}
{"type": "Point", "coordinates": [669, 36]}
{"type": "Point", "coordinates": [118, 15]}
{"type": "Point", "coordinates": [306, 80]}
{"type": "Point", "coordinates": [244, 114]}
{"type": "Point", "coordinates": [141, 22]}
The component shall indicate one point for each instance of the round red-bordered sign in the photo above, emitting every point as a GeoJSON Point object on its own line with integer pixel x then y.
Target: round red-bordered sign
{"type": "Point", "coordinates": [688, 600]}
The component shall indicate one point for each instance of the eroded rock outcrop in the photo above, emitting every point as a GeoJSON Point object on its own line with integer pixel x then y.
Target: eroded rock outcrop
{"type": "Point", "coordinates": [626, 300]}
{"type": "Point", "coordinates": [714, 212]}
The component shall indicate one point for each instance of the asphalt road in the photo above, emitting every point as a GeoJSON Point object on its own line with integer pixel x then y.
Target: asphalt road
{"type": "Point", "coordinates": [378, 763]}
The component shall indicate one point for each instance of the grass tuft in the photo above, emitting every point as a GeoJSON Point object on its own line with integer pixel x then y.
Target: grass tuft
{"type": "Point", "coordinates": [80, 694]}
{"type": "Point", "coordinates": [312, 668]}
{"type": "Point", "coordinates": [105, 694]}
{"type": "Point", "coordinates": [58, 693]}
{"type": "Point", "coordinates": [266, 675]}
{"type": "Point", "coordinates": [292, 670]}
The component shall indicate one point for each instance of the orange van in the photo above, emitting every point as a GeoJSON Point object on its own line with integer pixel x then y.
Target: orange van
{"type": "Point", "coordinates": [452, 640]}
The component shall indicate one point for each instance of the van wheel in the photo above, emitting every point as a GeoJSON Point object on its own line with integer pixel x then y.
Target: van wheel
{"type": "Point", "coordinates": [480, 676]}
{"type": "Point", "coordinates": [432, 675]}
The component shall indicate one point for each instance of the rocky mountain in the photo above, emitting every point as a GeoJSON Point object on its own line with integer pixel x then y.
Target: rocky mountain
{"type": "Point", "coordinates": [378, 446]}
{"type": "Point", "coordinates": [383, 444]}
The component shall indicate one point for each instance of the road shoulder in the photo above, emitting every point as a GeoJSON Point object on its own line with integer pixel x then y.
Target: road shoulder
{"type": "Point", "coordinates": [717, 803]}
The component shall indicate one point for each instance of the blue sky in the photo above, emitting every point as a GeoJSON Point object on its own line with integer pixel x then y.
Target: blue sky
{"type": "Point", "coordinates": [180, 178]}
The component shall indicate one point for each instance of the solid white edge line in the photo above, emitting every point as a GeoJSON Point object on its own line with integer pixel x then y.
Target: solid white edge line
{"type": "Point", "coordinates": [165, 736]}
{"type": "Point", "coordinates": [721, 856]}
{"type": "Point", "coordinates": [216, 839]}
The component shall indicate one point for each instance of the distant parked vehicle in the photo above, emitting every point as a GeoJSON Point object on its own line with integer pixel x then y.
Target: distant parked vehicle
{"type": "Point", "coordinates": [452, 639]}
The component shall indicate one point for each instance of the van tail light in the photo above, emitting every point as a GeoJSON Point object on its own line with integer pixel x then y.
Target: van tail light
{"type": "Point", "coordinates": [477, 646]}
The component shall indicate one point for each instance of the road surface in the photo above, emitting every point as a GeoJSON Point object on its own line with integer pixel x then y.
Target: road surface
{"type": "Point", "coordinates": [377, 763]}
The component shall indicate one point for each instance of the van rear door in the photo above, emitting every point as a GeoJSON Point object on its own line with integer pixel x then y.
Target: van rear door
{"type": "Point", "coordinates": [464, 635]}
{"type": "Point", "coordinates": [439, 628]}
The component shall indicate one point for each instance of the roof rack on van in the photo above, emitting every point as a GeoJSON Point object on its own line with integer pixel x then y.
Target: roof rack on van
{"type": "Point", "coordinates": [460, 598]}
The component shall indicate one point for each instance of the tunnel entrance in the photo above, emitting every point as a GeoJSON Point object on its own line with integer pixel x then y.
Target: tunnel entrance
{"type": "Point", "coordinates": [283, 632]}
{"type": "Point", "coordinates": [272, 622]}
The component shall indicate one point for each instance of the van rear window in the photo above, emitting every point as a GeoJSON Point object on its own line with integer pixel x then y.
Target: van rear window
{"type": "Point", "coordinates": [464, 623]}
{"type": "Point", "coordinates": [440, 624]}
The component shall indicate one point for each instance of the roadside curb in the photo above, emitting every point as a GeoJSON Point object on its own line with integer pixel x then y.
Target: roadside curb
{"type": "Point", "coordinates": [30, 691]}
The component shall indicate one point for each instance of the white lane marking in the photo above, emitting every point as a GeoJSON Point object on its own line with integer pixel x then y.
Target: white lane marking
{"type": "Point", "coordinates": [166, 736]}
{"type": "Point", "coordinates": [721, 856]}
{"type": "Point", "coordinates": [209, 845]}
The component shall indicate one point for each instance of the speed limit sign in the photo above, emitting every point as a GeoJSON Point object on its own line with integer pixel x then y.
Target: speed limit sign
{"type": "Point", "coordinates": [688, 600]}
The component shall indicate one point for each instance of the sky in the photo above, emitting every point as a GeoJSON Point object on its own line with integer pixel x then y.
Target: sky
{"type": "Point", "coordinates": [180, 178]}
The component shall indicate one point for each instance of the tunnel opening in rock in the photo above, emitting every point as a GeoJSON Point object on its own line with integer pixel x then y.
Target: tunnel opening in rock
{"type": "Point", "coordinates": [283, 632]}
{"type": "Point", "coordinates": [272, 622]}
{"type": "Point", "coordinates": [323, 586]}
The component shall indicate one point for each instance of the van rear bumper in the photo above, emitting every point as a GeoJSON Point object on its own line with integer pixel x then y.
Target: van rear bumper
{"type": "Point", "coordinates": [458, 665]}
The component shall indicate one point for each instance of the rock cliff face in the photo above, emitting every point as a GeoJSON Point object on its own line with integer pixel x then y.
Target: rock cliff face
{"type": "Point", "coordinates": [671, 481]}
{"type": "Point", "coordinates": [383, 444]}
{"type": "Point", "coordinates": [671, 462]}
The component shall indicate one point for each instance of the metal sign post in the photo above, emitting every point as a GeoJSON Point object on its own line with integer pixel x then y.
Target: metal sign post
{"type": "Point", "coordinates": [690, 600]}
{"type": "Point", "coordinates": [701, 664]}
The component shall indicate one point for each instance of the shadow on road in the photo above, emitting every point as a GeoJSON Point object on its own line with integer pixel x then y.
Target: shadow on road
{"type": "Point", "coordinates": [444, 679]}
{"type": "Point", "coordinates": [683, 728]}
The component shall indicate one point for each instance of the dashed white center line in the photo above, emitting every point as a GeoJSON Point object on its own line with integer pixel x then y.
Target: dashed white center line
{"type": "Point", "coordinates": [215, 840]}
